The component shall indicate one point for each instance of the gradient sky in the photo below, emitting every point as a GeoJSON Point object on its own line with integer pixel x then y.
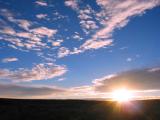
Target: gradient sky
{"type": "Point", "coordinates": [79, 48]}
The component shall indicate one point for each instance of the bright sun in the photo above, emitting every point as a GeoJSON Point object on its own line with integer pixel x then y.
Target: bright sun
{"type": "Point", "coordinates": [122, 95]}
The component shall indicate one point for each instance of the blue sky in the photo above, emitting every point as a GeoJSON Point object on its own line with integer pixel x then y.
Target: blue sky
{"type": "Point", "coordinates": [72, 46]}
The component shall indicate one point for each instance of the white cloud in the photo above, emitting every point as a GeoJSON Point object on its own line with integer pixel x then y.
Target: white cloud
{"type": "Point", "coordinates": [32, 41]}
{"type": "Point", "coordinates": [87, 19]}
{"type": "Point", "coordinates": [71, 3]}
{"type": "Point", "coordinates": [41, 16]}
{"type": "Point", "coordinates": [25, 24]}
{"type": "Point", "coordinates": [41, 3]}
{"type": "Point", "coordinates": [8, 31]}
{"type": "Point", "coordinates": [38, 72]}
{"type": "Point", "coordinates": [96, 44]}
{"type": "Point", "coordinates": [22, 23]}
{"type": "Point", "coordinates": [57, 43]}
{"type": "Point", "coordinates": [6, 13]}
{"type": "Point", "coordinates": [10, 59]}
{"type": "Point", "coordinates": [33, 37]}
{"type": "Point", "coordinates": [63, 51]}
{"type": "Point", "coordinates": [77, 36]}
{"type": "Point", "coordinates": [76, 51]}
{"type": "Point", "coordinates": [44, 31]}
{"type": "Point", "coordinates": [28, 35]}
{"type": "Point", "coordinates": [25, 38]}
{"type": "Point", "coordinates": [129, 59]}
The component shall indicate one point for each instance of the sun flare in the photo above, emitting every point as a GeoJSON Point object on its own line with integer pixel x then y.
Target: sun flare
{"type": "Point", "coordinates": [122, 95]}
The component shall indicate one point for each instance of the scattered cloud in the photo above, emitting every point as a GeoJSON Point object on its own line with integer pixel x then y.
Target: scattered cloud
{"type": "Point", "coordinates": [22, 23]}
{"type": "Point", "coordinates": [23, 37]}
{"type": "Point", "coordinates": [38, 72]}
{"type": "Point", "coordinates": [98, 25]}
{"type": "Point", "coordinates": [87, 19]}
{"type": "Point", "coordinates": [11, 59]}
{"type": "Point", "coordinates": [113, 15]}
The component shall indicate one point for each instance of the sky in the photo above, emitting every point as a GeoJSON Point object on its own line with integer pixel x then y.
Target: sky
{"type": "Point", "coordinates": [79, 49]}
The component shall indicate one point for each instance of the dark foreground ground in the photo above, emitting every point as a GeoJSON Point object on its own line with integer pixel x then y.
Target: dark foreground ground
{"type": "Point", "coordinates": [78, 110]}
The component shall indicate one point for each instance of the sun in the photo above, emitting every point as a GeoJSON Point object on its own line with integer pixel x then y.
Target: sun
{"type": "Point", "coordinates": [122, 95]}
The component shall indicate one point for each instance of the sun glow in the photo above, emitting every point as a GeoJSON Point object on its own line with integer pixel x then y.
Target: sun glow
{"type": "Point", "coordinates": [122, 95]}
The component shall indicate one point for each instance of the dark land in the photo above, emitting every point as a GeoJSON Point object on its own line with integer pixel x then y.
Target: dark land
{"type": "Point", "coordinates": [13, 109]}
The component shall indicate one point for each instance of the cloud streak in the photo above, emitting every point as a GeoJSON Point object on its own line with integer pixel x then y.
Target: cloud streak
{"type": "Point", "coordinates": [19, 91]}
{"type": "Point", "coordinates": [41, 3]}
{"type": "Point", "coordinates": [11, 59]}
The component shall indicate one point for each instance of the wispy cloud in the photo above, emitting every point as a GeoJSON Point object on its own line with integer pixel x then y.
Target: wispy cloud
{"type": "Point", "coordinates": [41, 3]}
{"type": "Point", "coordinates": [10, 59]}
{"type": "Point", "coordinates": [95, 44]}
{"type": "Point", "coordinates": [41, 16]}
{"type": "Point", "coordinates": [38, 72]}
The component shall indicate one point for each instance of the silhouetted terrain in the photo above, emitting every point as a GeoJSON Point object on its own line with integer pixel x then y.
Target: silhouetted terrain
{"type": "Point", "coordinates": [11, 109]}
